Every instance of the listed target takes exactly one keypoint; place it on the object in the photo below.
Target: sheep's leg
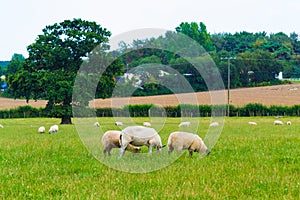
(121, 152)
(108, 152)
(171, 149)
(150, 149)
(158, 149)
(191, 152)
(122, 149)
(104, 153)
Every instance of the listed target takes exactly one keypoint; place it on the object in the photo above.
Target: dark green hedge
(145, 110)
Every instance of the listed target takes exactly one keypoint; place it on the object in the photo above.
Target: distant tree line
(255, 58)
(56, 55)
(149, 110)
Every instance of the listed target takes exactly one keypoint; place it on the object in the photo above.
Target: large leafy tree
(54, 59)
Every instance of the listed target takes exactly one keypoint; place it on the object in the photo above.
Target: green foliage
(54, 59)
(143, 110)
(22, 112)
(15, 64)
(259, 57)
(255, 109)
(198, 33)
(138, 110)
(150, 89)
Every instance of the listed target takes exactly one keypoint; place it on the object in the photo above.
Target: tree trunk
(66, 119)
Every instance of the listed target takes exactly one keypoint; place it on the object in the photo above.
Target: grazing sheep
(214, 124)
(184, 140)
(147, 124)
(1, 126)
(53, 129)
(184, 124)
(139, 136)
(278, 122)
(41, 129)
(288, 123)
(111, 139)
(118, 123)
(278, 117)
(252, 123)
(96, 124)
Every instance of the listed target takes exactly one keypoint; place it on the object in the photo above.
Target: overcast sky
(22, 21)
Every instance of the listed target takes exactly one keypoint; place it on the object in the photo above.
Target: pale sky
(22, 21)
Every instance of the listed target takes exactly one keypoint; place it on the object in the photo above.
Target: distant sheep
(288, 123)
(278, 122)
(278, 117)
(41, 129)
(184, 140)
(214, 124)
(1, 126)
(111, 139)
(119, 123)
(147, 124)
(184, 124)
(139, 136)
(53, 129)
(252, 123)
(96, 124)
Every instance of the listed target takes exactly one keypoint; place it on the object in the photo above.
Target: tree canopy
(54, 59)
(57, 54)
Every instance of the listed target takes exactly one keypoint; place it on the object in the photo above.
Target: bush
(146, 110)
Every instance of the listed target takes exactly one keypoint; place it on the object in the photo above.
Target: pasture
(247, 162)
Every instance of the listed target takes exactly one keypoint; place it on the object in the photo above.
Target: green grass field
(247, 162)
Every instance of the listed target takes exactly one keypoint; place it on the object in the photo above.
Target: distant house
(127, 77)
(279, 76)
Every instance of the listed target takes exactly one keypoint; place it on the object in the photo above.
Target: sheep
(288, 123)
(139, 136)
(252, 123)
(1, 126)
(278, 117)
(96, 124)
(41, 129)
(111, 139)
(214, 124)
(53, 129)
(278, 122)
(118, 123)
(185, 140)
(147, 124)
(184, 124)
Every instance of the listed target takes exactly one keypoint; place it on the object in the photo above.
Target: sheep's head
(203, 148)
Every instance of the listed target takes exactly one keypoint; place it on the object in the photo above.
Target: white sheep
(139, 136)
(96, 124)
(184, 140)
(41, 129)
(147, 124)
(53, 129)
(184, 124)
(1, 126)
(111, 139)
(288, 123)
(252, 123)
(278, 122)
(119, 123)
(214, 124)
